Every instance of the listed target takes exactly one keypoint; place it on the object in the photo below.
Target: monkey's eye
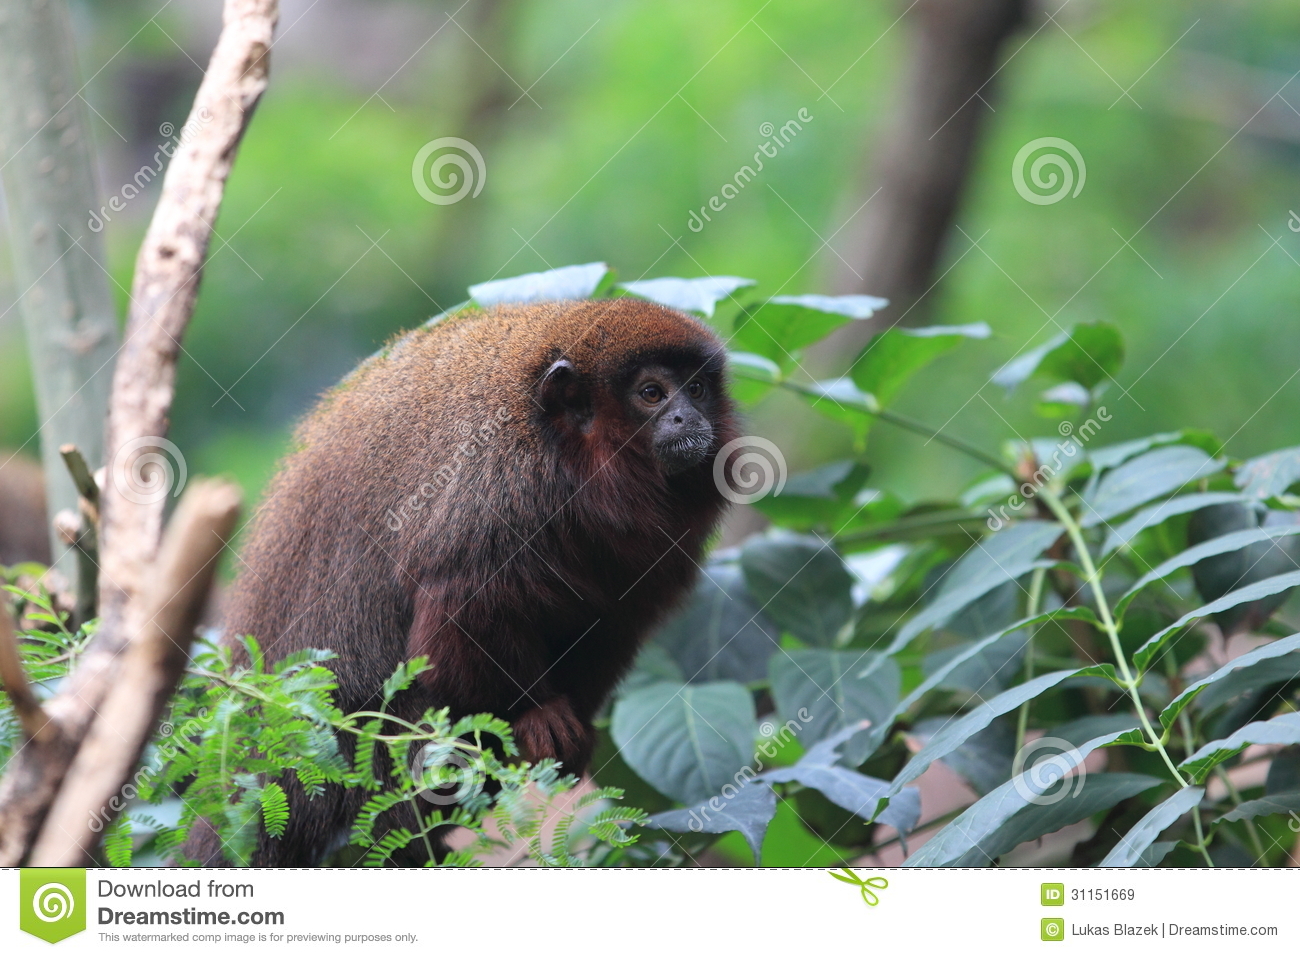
(695, 389)
(652, 394)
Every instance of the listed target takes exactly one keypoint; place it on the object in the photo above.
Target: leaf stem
(1031, 609)
(1093, 579)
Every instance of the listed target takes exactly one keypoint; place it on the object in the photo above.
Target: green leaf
(1089, 353)
(1154, 854)
(275, 809)
(783, 325)
(802, 584)
(841, 400)
(1148, 476)
(722, 634)
(1155, 514)
(1269, 586)
(1232, 542)
(567, 282)
(653, 663)
(750, 810)
(1284, 772)
(825, 685)
(1263, 807)
(895, 355)
(686, 740)
(856, 793)
(1000, 557)
(984, 759)
(1271, 650)
(1105, 457)
(1216, 576)
(818, 497)
(118, 842)
(1129, 850)
(952, 735)
(1284, 729)
(1071, 804)
(699, 295)
(990, 812)
(1267, 476)
(752, 376)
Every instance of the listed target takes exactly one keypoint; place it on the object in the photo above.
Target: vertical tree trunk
(895, 243)
(63, 292)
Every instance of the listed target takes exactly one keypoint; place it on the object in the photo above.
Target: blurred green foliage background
(603, 124)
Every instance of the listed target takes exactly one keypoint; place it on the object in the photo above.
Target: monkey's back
(433, 462)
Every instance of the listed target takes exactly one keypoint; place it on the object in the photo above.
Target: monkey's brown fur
(437, 506)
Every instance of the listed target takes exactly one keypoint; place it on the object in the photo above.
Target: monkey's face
(674, 405)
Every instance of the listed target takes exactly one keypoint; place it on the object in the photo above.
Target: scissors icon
(863, 884)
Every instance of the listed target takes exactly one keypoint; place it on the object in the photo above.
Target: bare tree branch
(167, 276)
(180, 579)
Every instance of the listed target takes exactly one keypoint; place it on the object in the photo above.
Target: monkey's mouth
(678, 455)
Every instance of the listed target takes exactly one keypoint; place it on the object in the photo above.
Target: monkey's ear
(561, 390)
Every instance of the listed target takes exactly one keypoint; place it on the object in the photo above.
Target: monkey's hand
(552, 730)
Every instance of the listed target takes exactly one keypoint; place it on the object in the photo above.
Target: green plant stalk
(1255, 842)
(1093, 578)
(1031, 609)
(911, 425)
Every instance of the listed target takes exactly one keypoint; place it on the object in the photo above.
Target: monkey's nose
(678, 419)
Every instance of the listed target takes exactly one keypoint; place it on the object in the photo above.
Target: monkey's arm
(477, 664)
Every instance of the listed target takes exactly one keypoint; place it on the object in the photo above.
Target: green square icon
(1053, 895)
(52, 902)
(1053, 928)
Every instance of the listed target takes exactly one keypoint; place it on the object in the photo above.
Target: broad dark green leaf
(1069, 804)
(567, 282)
(875, 735)
(749, 810)
(752, 376)
(653, 663)
(1263, 807)
(1108, 456)
(1088, 353)
(1269, 586)
(1154, 854)
(699, 295)
(956, 731)
(686, 740)
(1215, 546)
(986, 672)
(1220, 574)
(816, 498)
(1141, 479)
(1090, 726)
(856, 793)
(827, 687)
(984, 759)
(1131, 846)
(1284, 772)
(1269, 475)
(1155, 514)
(785, 324)
(802, 585)
(1273, 649)
(1284, 729)
(893, 356)
(1001, 557)
(990, 812)
(722, 634)
(1247, 683)
(841, 400)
